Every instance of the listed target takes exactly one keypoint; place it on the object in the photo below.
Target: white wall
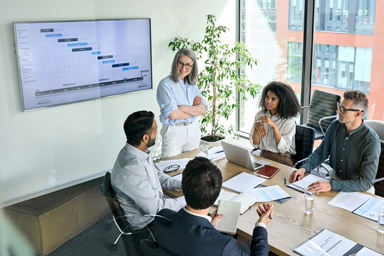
(51, 146)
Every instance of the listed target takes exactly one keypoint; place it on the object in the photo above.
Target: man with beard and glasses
(135, 180)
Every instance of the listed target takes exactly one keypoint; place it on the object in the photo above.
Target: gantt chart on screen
(62, 62)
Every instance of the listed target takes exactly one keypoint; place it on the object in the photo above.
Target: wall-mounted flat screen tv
(70, 61)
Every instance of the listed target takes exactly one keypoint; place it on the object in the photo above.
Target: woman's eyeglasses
(181, 65)
(343, 109)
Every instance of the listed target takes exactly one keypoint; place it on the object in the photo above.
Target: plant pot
(208, 139)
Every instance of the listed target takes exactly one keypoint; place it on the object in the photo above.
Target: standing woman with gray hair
(180, 103)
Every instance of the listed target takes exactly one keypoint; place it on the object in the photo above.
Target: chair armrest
(378, 180)
(325, 118)
(299, 162)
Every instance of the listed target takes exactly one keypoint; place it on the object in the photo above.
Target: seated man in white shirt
(190, 231)
(135, 180)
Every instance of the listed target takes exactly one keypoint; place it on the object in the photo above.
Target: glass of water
(380, 220)
(309, 200)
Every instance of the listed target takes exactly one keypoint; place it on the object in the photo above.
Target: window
(334, 66)
(347, 53)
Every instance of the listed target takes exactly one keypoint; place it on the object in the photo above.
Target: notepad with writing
(267, 171)
(246, 200)
(230, 211)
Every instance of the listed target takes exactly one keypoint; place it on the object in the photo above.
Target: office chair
(377, 126)
(322, 111)
(119, 218)
(379, 181)
(304, 140)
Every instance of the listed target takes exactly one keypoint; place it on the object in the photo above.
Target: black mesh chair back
(304, 140)
(379, 182)
(322, 111)
(118, 213)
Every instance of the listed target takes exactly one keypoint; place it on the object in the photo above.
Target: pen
(285, 181)
(270, 216)
(221, 151)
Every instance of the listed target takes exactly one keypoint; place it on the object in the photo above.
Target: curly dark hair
(289, 106)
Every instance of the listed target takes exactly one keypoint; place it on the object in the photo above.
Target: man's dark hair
(201, 183)
(136, 125)
(289, 106)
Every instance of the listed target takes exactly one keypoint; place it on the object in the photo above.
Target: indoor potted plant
(220, 80)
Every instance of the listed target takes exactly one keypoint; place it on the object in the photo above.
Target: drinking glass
(380, 220)
(309, 200)
(204, 149)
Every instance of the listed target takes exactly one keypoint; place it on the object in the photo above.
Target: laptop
(242, 156)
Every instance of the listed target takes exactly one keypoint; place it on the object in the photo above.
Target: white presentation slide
(62, 62)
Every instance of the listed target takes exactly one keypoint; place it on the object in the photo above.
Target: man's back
(187, 234)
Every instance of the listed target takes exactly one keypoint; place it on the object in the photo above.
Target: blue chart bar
(54, 35)
(129, 68)
(96, 53)
(77, 44)
(108, 61)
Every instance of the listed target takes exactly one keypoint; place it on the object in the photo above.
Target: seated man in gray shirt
(353, 149)
(135, 180)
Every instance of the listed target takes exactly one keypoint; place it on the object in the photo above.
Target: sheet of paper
(230, 211)
(370, 209)
(349, 200)
(325, 243)
(305, 182)
(367, 252)
(181, 162)
(242, 182)
(267, 194)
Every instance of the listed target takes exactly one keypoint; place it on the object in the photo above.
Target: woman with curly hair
(274, 129)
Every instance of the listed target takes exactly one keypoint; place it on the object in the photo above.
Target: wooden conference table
(290, 226)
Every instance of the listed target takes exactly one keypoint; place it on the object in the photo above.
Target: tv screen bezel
(83, 100)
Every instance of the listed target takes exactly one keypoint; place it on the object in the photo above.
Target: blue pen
(270, 216)
(285, 181)
(221, 151)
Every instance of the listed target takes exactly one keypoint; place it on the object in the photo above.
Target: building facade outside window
(348, 52)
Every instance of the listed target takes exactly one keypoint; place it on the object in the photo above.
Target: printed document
(325, 243)
(246, 200)
(349, 200)
(267, 194)
(370, 209)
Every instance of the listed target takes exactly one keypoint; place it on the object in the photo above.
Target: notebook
(242, 182)
(302, 184)
(230, 211)
(241, 156)
(267, 171)
(246, 200)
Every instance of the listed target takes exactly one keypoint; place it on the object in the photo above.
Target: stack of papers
(214, 153)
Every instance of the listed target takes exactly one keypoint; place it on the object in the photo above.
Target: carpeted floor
(97, 239)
